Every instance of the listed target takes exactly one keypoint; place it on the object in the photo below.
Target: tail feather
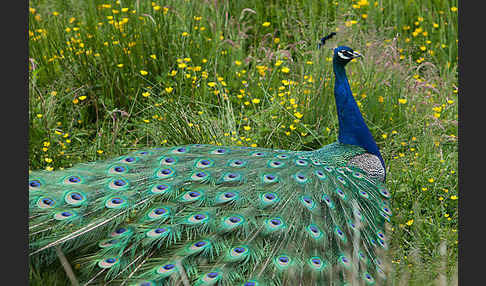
(201, 215)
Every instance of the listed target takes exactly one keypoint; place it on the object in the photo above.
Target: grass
(109, 77)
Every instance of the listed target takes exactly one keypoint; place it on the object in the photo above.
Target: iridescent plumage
(207, 215)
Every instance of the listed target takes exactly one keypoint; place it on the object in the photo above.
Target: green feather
(207, 215)
(238, 211)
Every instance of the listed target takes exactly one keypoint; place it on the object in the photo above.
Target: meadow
(108, 77)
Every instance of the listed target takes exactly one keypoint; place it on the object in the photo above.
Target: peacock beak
(356, 55)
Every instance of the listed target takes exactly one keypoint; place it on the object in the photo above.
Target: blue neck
(352, 128)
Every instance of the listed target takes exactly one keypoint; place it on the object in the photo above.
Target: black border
(14, 116)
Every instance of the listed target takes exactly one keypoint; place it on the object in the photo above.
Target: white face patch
(345, 55)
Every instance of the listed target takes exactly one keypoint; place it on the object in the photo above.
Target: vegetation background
(107, 77)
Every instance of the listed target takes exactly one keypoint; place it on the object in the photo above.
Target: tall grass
(107, 77)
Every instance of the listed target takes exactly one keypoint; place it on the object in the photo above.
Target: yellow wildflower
(266, 24)
(169, 89)
(142, 72)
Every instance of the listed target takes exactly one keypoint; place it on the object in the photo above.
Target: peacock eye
(269, 196)
(74, 179)
(35, 183)
(345, 55)
(119, 169)
(119, 183)
(169, 266)
(160, 230)
(275, 221)
(200, 243)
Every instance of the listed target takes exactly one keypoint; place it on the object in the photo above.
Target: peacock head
(343, 55)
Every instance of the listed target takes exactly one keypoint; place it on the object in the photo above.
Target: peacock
(221, 215)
